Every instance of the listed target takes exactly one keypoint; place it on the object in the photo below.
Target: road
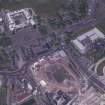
(83, 70)
(90, 20)
(84, 23)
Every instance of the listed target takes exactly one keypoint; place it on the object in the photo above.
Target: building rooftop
(20, 19)
(86, 39)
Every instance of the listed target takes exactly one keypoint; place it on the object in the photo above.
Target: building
(20, 18)
(85, 40)
(89, 97)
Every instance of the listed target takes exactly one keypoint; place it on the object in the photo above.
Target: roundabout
(100, 67)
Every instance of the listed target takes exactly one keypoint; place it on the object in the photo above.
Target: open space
(3, 96)
(41, 6)
(60, 75)
(30, 102)
(54, 72)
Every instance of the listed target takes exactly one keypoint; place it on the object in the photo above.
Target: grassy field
(3, 94)
(4, 42)
(4, 61)
(60, 75)
(40, 6)
(101, 26)
(101, 17)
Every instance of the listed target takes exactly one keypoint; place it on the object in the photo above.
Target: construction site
(54, 73)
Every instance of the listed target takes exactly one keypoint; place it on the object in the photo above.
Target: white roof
(43, 83)
(82, 37)
(1, 19)
(32, 22)
(9, 18)
(79, 45)
(29, 86)
(62, 53)
(94, 37)
(99, 33)
(29, 19)
(0, 82)
(92, 34)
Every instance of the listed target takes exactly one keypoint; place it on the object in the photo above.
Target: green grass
(101, 26)
(60, 75)
(30, 102)
(82, 30)
(48, 7)
(4, 61)
(3, 94)
(5, 41)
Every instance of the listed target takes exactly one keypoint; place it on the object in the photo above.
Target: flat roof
(25, 19)
(93, 34)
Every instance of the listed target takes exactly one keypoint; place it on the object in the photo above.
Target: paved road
(89, 20)
(74, 27)
(94, 81)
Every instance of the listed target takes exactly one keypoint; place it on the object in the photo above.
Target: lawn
(61, 75)
(30, 102)
(3, 94)
(4, 42)
(101, 26)
(4, 61)
(40, 6)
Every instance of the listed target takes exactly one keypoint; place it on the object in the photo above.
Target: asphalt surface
(24, 38)
(93, 79)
